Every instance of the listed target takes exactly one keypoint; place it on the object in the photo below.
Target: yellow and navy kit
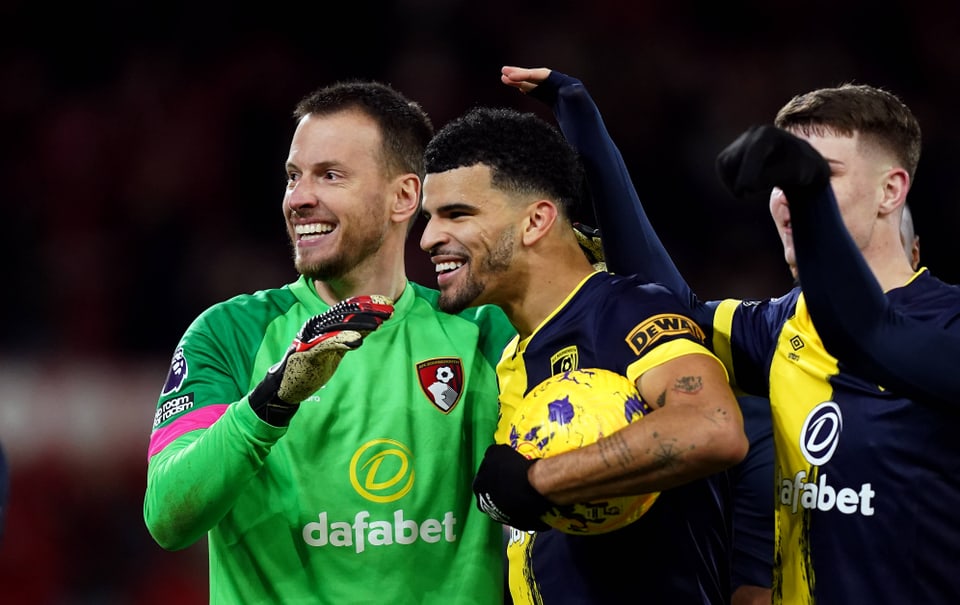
(678, 551)
(867, 473)
(856, 463)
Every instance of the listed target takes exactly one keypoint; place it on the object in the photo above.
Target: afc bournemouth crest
(442, 381)
(565, 360)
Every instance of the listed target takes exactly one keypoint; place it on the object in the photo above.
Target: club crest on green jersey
(441, 379)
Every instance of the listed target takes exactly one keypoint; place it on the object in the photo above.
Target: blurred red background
(142, 176)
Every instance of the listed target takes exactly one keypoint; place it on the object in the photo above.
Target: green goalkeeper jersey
(366, 497)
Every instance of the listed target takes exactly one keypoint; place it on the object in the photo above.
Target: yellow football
(571, 410)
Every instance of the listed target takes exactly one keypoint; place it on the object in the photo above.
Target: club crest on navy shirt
(565, 360)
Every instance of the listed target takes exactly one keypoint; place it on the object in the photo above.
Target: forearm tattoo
(615, 451)
(666, 454)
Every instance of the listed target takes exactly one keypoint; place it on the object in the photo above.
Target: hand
(523, 79)
(589, 240)
(765, 157)
(504, 493)
(314, 355)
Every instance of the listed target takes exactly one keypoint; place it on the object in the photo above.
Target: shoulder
(604, 283)
(618, 291)
(486, 327)
(281, 297)
(774, 310)
(926, 293)
(251, 309)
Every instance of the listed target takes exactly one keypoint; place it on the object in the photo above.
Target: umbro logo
(796, 343)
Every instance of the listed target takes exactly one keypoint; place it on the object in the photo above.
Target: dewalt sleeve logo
(665, 325)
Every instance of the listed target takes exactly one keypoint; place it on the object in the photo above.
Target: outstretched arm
(853, 316)
(856, 320)
(630, 244)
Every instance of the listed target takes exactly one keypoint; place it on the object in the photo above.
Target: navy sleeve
(753, 499)
(630, 244)
(855, 319)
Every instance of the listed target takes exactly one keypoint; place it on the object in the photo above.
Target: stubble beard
(498, 261)
(346, 259)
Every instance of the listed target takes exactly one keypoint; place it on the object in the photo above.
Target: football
(571, 410)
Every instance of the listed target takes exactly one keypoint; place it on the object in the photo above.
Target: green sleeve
(194, 481)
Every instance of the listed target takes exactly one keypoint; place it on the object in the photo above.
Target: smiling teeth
(450, 266)
(313, 228)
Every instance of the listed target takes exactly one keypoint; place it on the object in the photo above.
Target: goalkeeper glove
(314, 355)
(589, 240)
(504, 493)
(765, 157)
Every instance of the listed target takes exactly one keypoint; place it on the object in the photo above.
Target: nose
(300, 195)
(430, 238)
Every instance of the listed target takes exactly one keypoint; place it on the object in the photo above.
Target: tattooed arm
(696, 430)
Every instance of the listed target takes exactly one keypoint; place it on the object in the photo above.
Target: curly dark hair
(525, 154)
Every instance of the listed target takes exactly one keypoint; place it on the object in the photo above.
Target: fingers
(380, 299)
(522, 78)
(307, 372)
(344, 340)
(765, 157)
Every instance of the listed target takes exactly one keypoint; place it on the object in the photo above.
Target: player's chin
(459, 290)
(450, 302)
(457, 299)
(320, 269)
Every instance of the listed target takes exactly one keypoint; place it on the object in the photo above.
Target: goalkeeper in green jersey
(323, 435)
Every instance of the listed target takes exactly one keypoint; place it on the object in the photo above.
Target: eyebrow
(314, 167)
(453, 207)
(457, 206)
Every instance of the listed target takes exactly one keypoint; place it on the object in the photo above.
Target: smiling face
(336, 204)
(858, 177)
(471, 236)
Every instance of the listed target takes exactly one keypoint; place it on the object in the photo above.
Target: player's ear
(406, 201)
(540, 217)
(895, 186)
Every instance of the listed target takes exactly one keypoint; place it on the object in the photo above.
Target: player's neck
(380, 274)
(890, 266)
(543, 295)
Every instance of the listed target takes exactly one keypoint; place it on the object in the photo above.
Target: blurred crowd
(143, 175)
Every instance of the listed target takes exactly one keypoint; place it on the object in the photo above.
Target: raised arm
(853, 316)
(630, 244)
(856, 320)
